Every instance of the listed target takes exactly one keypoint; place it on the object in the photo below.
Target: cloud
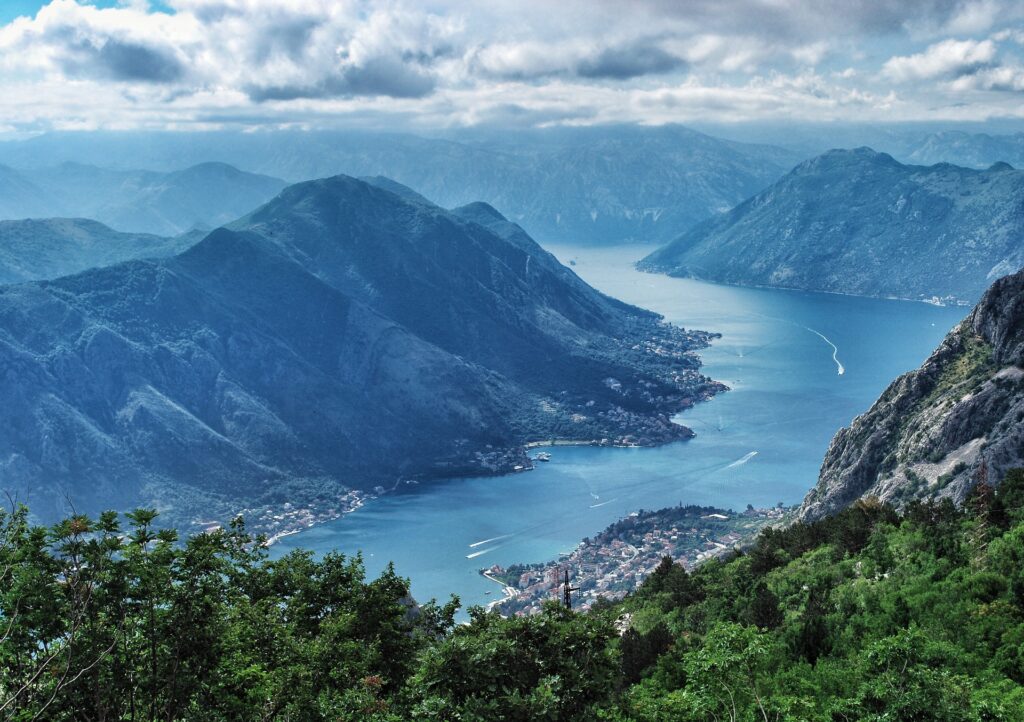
(375, 76)
(809, 20)
(627, 62)
(1002, 79)
(581, 58)
(949, 58)
(179, 63)
(121, 60)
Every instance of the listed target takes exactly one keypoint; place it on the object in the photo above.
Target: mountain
(973, 150)
(202, 196)
(48, 248)
(935, 429)
(587, 185)
(340, 336)
(20, 198)
(858, 222)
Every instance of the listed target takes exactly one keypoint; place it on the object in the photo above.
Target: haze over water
(799, 365)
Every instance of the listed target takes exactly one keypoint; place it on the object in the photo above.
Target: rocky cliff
(933, 429)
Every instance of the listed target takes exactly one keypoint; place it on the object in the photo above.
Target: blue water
(760, 443)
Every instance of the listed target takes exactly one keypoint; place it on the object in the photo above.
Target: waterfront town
(617, 560)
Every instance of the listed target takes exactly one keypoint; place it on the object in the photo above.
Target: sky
(443, 64)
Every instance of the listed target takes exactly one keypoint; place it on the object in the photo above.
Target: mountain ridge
(595, 186)
(859, 222)
(171, 203)
(46, 248)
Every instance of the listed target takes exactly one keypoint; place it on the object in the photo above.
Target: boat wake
(487, 541)
(744, 460)
(840, 369)
(474, 555)
(835, 350)
(594, 506)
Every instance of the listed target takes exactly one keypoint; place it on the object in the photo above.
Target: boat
(542, 456)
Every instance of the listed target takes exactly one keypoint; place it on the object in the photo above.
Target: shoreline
(313, 518)
(550, 443)
(507, 591)
(953, 303)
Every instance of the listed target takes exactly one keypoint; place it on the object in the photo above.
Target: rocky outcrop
(859, 222)
(933, 429)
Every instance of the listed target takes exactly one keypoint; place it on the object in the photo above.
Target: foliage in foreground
(867, 615)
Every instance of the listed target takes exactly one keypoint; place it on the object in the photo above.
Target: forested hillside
(865, 615)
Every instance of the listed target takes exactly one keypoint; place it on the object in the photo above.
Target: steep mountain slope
(203, 196)
(340, 336)
(38, 249)
(935, 428)
(859, 222)
(588, 185)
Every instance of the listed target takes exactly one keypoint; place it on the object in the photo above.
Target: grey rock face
(341, 336)
(859, 222)
(933, 429)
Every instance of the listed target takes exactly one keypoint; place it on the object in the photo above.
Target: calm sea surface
(760, 443)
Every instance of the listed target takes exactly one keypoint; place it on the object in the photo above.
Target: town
(616, 561)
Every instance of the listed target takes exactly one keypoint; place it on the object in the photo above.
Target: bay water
(799, 366)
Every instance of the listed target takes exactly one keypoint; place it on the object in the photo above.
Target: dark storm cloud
(629, 62)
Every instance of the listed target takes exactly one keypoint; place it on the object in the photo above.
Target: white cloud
(451, 62)
(1008, 78)
(949, 58)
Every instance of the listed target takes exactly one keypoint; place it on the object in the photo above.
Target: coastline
(301, 518)
(952, 302)
(507, 591)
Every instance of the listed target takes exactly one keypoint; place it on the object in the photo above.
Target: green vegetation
(868, 615)
(964, 372)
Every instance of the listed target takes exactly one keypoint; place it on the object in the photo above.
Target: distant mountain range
(32, 250)
(20, 198)
(973, 150)
(935, 431)
(857, 221)
(135, 201)
(586, 185)
(342, 335)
